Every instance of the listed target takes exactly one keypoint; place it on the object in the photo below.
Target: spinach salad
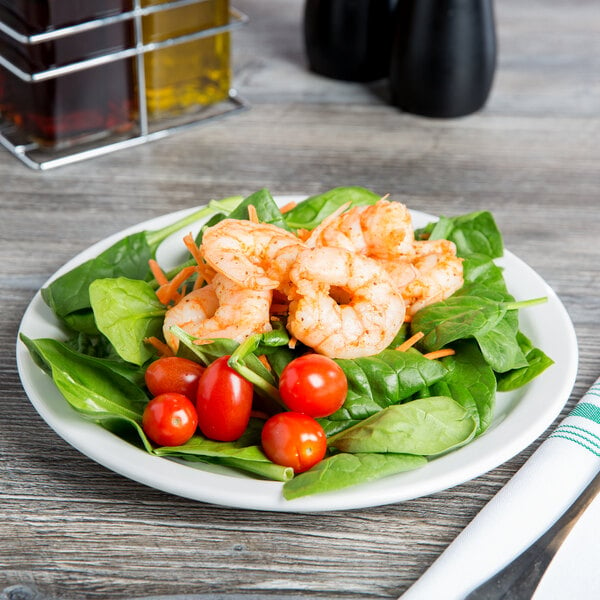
(402, 408)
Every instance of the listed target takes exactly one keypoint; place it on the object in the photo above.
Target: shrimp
(431, 274)
(221, 309)
(423, 271)
(194, 308)
(253, 255)
(344, 305)
(382, 230)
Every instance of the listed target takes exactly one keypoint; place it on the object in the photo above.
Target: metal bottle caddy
(142, 129)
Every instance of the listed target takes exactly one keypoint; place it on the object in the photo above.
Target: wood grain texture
(70, 529)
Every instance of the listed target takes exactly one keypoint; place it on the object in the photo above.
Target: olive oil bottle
(184, 77)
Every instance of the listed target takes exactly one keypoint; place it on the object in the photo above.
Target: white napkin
(524, 509)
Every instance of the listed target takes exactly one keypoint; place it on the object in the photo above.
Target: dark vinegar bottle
(349, 39)
(443, 56)
(62, 110)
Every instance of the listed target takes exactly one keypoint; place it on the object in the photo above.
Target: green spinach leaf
(537, 363)
(473, 233)
(311, 211)
(375, 382)
(91, 387)
(500, 346)
(343, 470)
(426, 426)
(267, 209)
(81, 321)
(127, 312)
(480, 271)
(458, 317)
(243, 454)
(488, 315)
(470, 381)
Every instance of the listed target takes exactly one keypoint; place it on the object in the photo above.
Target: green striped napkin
(582, 426)
(524, 509)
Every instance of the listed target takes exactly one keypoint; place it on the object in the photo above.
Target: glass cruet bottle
(181, 79)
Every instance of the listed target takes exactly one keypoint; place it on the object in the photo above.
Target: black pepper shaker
(349, 39)
(443, 56)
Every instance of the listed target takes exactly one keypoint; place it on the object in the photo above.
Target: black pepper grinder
(349, 39)
(443, 56)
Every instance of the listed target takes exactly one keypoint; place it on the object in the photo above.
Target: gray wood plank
(71, 529)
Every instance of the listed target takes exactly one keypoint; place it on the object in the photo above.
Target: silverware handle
(521, 577)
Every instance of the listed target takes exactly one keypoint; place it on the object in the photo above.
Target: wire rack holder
(39, 158)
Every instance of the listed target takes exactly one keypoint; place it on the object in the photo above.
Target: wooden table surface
(72, 529)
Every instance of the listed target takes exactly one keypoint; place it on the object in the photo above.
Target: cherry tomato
(294, 440)
(174, 374)
(170, 419)
(313, 384)
(224, 402)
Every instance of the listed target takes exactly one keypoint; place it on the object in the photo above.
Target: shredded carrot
(158, 273)
(287, 207)
(169, 292)
(252, 214)
(279, 309)
(407, 318)
(410, 342)
(292, 343)
(303, 234)
(439, 353)
(162, 348)
(191, 245)
(263, 359)
(206, 271)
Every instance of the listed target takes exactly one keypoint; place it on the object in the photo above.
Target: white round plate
(519, 418)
